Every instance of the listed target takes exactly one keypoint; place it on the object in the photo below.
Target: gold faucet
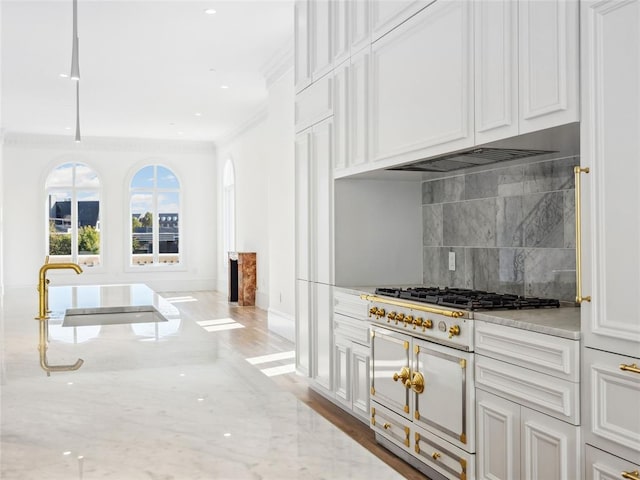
(43, 317)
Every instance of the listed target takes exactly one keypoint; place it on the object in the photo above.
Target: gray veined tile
(549, 176)
(509, 221)
(431, 266)
(511, 181)
(569, 219)
(453, 278)
(470, 223)
(551, 273)
(543, 220)
(482, 268)
(432, 225)
(443, 190)
(481, 185)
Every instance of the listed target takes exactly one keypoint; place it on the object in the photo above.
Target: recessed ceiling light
(180, 133)
(210, 11)
(67, 128)
(63, 75)
(198, 114)
(224, 86)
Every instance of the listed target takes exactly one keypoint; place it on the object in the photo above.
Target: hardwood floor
(255, 340)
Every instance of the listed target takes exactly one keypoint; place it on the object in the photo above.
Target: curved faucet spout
(43, 297)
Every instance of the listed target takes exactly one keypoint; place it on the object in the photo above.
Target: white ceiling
(147, 67)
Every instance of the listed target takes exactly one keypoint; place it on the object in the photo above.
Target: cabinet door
(359, 108)
(341, 115)
(388, 14)
(342, 375)
(302, 192)
(422, 85)
(360, 24)
(498, 435)
(322, 202)
(550, 449)
(548, 60)
(360, 380)
(303, 328)
(301, 32)
(611, 197)
(496, 70)
(322, 308)
(612, 393)
(602, 466)
(341, 31)
(321, 38)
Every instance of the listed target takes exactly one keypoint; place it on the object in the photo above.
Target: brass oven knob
(428, 323)
(391, 316)
(404, 375)
(416, 383)
(399, 317)
(417, 322)
(454, 330)
(373, 311)
(380, 313)
(408, 319)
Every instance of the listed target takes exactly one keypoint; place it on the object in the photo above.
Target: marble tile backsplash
(512, 229)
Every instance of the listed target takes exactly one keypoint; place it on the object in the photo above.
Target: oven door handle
(416, 383)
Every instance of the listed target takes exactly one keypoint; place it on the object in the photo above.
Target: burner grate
(468, 299)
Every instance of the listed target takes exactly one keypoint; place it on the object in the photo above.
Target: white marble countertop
(87, 300)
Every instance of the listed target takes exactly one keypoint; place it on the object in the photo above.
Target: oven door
(390, 369)
(443, 393)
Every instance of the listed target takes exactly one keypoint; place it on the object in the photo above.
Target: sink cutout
(112, 318)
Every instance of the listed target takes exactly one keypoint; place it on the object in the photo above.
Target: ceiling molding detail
(257, 118)
(107, 144)
(279, 63)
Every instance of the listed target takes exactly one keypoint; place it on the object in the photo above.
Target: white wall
(27, 162)
(263, 157)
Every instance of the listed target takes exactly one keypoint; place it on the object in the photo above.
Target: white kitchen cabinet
(351, 380)
(341, 31)
(341, 115)
(612, 392)
(302, 205)
(496, 70)
(321, 202)
(314, 103)
(548, 63)
(388, 14)
(517, 442)
(422, 85)
(322, 335)
(611, 198)
(358, 118)
(321, 37)
(359, 24)
(302, 73)
(303, 328)
(603, 466)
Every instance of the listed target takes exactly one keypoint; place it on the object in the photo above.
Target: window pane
(142, 228)
(169, 224)
(62, 176)
(88, 228)
(85, 177)
(59, 223)
(166, 179)
(144, 178)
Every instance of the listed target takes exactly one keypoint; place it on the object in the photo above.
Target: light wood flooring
(255, 340)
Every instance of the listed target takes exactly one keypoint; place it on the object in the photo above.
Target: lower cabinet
(604, 466)
(516, 442)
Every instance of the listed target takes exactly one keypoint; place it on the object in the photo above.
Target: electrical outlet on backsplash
(512, 229)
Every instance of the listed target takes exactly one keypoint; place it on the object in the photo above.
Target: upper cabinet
(548, 63)
(422, 85)
(302, 73)
(341, 31)
(359, 24)
(388, 14)
(321, 37)
(611, 151)
(526, 66)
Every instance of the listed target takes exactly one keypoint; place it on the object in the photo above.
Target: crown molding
(279, 63)
(106, 144)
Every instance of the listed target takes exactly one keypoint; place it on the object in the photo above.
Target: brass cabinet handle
(386, 426)
(435, 455)
(630, 368)
(635, 475)
(404, 375)
(579, 298)
(416, 383)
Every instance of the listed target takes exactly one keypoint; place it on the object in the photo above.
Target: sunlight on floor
(219, 324)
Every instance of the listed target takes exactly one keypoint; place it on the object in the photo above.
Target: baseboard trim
(281, 323)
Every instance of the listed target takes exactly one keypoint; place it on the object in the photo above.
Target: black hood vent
(471, 158)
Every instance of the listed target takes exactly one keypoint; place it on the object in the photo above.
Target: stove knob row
(378, 312)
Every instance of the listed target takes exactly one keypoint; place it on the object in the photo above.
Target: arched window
(228, 209)
(73, 215)
(154, 199)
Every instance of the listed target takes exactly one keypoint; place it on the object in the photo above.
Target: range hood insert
(470, 158)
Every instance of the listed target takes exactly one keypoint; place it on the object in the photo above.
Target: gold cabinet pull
(404, 374)
(386, 426)
(579, 298)
(635, 475)
(630, 368)
(416, 383)
(435, 455)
